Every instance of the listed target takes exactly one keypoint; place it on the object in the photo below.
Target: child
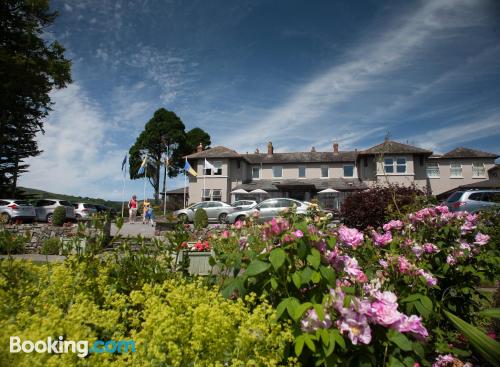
(151, 216)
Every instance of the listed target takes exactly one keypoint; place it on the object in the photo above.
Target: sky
(297, 73)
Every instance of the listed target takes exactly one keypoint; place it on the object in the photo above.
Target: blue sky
(298, 73)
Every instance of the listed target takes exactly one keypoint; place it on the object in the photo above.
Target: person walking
(132, 209)
(145, 207)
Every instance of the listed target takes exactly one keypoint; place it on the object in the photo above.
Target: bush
(200, 219)
(173, 323)
(51, 246)
(11, 243)
(59, 216)
(374, 206)
(378, 297)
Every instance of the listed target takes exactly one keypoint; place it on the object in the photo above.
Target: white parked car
(84, 210)
(244, 204)
(44, 209)
(268, 209)
(12, 210)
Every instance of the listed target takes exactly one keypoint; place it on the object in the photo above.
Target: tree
(30, 68)
(164, 131)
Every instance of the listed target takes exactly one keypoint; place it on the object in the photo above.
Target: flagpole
(204, 175)
(185, 184)
(123, 190)
(145, 174)
(165, 188)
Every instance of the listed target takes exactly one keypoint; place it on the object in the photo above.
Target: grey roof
(215, 152)
(393, 147)
(178, 191)
(462, 152)
(486, 184)
(341, 184)
(301, 157)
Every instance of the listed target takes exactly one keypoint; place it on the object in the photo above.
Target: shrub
(59, 216)
(174, 323)
(200, 219)
(374, 206)
(378, 297)
(11, 243)
(51, 246)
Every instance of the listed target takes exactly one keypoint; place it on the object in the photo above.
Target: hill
(33, 194)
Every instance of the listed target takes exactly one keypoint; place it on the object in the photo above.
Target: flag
(124, 161)
(143, 164)
(209, 165)
(189, 169)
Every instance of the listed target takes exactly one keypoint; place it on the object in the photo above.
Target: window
(477, 196)
(478, 169)
(432, 169)
(388, 165)
(302, 171)
(455, 170)
(218, 168)
(493, 197)
(4, 203)
(217, 194)
(65, 203)
(348, 170)
(454, 197)
(284, 203)
(324, 171)
(277, 171)
(207, 171)
(256, 172)
(214, 204)
(268, 204)
(401, 165)
(205, 195)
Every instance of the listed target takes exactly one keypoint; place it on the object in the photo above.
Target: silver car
(12, 210)
(84, 210)
(44, 209)
(244, 204)
(217, 211)
(473, 200)
(268, 209)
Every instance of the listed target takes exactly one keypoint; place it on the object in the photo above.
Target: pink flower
(298, 233)
(404, 265)
(417, 250)
(383, 263)
(238, 224)
(356, 326)
(413, 325)
(393, 224)
(385, 309)
(467, 227)
(225, 234)
(430, 248)
(430, 279)
(352, 268)
(350, 236)
(442, 209)
(481, 239)
(311, 322)
(444, 361)
(451, 260)
(381, 239)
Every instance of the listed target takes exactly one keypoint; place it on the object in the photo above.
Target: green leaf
(296, 310)
(299, 344)
(281, 307)
(488, 348)
(400, 340)
(257, 267)
(426, 302)
(277, 258)
(394, 362)
(325, 338)
(328, 273)
(211, 261)
(314, 259)
(319, 310)
(492, 312)
(306, 275)
(422, 310)
(274, 283)
(419, 349)
(315, 277)
(411, 298)
(310, 343)
(339, 339)
(297, 280)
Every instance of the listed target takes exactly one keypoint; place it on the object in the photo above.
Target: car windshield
(454, 197)
(22, 202)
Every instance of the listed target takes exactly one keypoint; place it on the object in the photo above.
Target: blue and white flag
(143, 165)
(124, 161)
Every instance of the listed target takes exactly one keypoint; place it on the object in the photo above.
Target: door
(213, 209)
(474, 202)
(267, 209)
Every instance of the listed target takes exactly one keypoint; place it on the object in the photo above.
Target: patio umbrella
(328, 191)
(239, 191)
(259, 192)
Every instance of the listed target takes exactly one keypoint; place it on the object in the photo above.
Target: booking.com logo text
(80, 348)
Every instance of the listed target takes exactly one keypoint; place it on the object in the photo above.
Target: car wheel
(182, 218)
(49, 218)
(4, 218)
(223, 218)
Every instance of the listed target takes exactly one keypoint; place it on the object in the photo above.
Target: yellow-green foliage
(177, 323)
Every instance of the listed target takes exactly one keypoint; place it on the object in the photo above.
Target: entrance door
(297, 195)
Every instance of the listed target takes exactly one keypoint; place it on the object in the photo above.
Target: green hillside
(33, 194)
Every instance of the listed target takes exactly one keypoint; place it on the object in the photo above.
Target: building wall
(444, 182)
(313, 170)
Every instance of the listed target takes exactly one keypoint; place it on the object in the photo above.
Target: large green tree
(164, 132)
(30, 68)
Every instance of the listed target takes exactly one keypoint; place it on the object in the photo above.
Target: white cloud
(78, 158)
(367, 67)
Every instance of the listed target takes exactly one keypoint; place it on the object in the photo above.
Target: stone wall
(37, 233)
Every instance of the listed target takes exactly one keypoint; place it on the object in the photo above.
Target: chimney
(335, 148)
(199, 148)
(270, 148)
(257, 151)
(313, 150)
